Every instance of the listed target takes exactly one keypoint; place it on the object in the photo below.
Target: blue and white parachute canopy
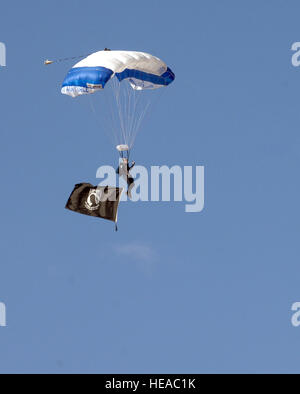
(143, 71)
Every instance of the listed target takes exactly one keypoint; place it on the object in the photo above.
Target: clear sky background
(171, 291)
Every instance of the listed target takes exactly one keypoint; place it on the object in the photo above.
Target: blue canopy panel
(84, 80)
(165, 79)
(81, 80)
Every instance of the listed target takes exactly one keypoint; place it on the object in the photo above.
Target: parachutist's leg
(130, 183)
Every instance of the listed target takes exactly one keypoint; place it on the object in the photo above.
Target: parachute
(129, 78)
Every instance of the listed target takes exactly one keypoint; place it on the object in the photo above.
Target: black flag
(96, 201)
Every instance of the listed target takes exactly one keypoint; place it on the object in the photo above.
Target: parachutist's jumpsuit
(124, 171)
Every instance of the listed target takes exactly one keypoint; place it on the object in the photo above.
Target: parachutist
(124, 171)
(140, 72)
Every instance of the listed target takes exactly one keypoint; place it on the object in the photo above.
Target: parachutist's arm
(132, 165)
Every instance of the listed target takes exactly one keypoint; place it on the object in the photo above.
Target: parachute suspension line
(138, 119)
(150, 104)
(102, 124)
(125, 112)
(140, 110)
(128, 108)
(131, 110)
(110, 93)
(122, 109)
(116, 90)
(135, 114)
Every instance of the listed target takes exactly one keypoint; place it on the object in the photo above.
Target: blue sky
(171, 291)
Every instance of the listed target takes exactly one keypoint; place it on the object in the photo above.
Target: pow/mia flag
(96, 201)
